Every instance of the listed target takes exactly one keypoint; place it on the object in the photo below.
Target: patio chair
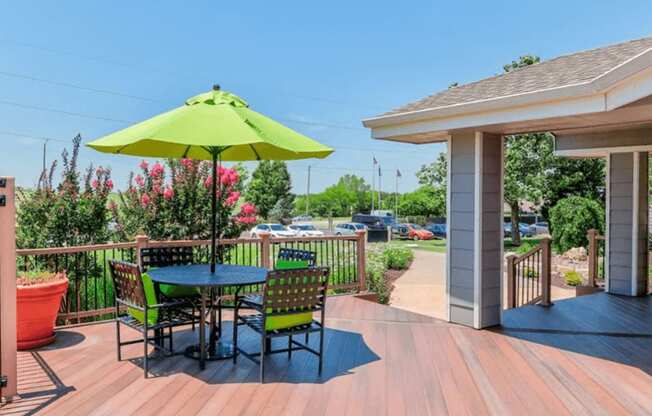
(287, 259)
(290, 298)
(152, 257)
(134, 291)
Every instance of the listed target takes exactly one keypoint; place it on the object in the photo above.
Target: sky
(92, 68)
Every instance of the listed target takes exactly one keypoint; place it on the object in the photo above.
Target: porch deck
(586, 355)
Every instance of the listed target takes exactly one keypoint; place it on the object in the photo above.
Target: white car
(276, 230)
(349, 228)
(306, 230)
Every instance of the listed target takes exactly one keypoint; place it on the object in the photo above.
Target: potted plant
(38, 298)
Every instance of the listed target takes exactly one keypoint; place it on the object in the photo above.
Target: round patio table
(211, 285)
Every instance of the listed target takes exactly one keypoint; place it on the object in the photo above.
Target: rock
(576, 254)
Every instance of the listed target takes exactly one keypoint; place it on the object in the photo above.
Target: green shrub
(570, 220)
(530, 273)
(380, 258)
(573, 278)
(397, 258)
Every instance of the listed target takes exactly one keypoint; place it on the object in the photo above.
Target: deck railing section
(597, 258)
(529, 276)
(90, 295)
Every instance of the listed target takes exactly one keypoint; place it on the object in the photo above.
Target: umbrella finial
(216, 87)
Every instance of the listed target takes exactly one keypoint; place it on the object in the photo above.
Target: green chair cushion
(174, 291)
(150, 297)
(288, 321)
(282, 264)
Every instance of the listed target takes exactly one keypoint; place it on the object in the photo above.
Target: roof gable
(567, 70)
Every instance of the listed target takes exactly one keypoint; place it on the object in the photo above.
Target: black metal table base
(223, 351)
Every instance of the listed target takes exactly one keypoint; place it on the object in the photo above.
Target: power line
(58, 111)
(29, 136)
(79, 87)
(159, 69)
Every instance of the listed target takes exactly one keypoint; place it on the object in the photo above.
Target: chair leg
(171, 345)
(235, 332)
(289, 347)
(262, 358)
(145, 360)
(307, 338)
(193, 318)
(268, 345)
(117, 332)
(321, 350)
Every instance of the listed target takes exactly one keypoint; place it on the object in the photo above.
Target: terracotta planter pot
(36, 312)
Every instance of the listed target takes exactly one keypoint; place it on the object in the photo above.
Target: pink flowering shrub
(173, 201)
(73, 212)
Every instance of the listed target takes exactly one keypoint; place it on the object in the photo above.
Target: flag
(375, 161)
(398, 173)
(379, 173)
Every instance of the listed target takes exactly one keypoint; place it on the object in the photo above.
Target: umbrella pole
(214, 214)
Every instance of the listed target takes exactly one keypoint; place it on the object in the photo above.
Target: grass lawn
(439, 246)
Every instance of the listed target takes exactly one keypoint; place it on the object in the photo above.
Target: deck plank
(586, 356)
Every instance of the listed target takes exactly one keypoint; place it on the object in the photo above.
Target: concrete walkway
(422, 288)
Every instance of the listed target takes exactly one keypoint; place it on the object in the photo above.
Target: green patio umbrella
(216, 125)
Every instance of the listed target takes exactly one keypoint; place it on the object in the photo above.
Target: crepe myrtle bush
(70, 212)
(174, 202)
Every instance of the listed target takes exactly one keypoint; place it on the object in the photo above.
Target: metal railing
(529, 277)
(90, 295)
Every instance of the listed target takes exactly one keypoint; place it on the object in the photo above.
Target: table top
(200, 275)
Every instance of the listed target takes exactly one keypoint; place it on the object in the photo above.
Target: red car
(414, 232)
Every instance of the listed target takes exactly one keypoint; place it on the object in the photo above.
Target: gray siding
(621, 216)
(634, 137)
(462, 177)
(491, 229)
(463, 232)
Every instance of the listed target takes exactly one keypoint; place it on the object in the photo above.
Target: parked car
(302, 218)
(373, 222)
(414, 232)
(305, 230)
(348, 228)
(540, 228)
(438, 230)
(276, 230)
(524, 229)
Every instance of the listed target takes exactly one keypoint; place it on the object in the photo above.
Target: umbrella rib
(185, 153)
(255, 152)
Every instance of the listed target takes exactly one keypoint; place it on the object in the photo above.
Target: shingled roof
(574, 69)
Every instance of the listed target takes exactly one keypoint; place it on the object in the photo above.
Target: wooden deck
(589, 355)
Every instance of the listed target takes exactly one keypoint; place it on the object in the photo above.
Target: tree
(570, 220)
(525, 158)
(425, 201)
(269, 183)
(435, 173)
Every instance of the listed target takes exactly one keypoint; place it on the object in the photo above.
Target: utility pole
(45, 149)
(308, 193)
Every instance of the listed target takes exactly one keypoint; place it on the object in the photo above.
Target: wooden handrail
(541, 257)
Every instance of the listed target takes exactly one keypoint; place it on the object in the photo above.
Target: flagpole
(380, 189)
(373, 184)
(396, 197)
